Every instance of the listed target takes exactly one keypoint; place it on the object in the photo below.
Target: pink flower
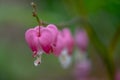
(69, 41)
(83, 65)
(81, 39)
(82, 70)
(59, 46)
(64, 41)
(64, 47)
(41, 39)
(49, 39)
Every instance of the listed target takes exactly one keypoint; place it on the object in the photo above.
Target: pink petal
(64, 41)
(81, 39)
(68, 40)
(37, 29)
(46, 40)
(54, 31)
(32, 39)
(57, 49)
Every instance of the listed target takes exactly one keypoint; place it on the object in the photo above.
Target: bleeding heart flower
(81, 39)
(59, 46)
(41, 39)
(49, 39)
(82, 70)
(69, 41)
(64, 47)
(83, 64)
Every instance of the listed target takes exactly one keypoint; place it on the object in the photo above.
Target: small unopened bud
(33, 4)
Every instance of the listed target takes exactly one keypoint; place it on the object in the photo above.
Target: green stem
(36, 16)
(114, 41)
(103, 52)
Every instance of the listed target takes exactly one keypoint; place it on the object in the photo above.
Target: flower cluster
(50, 40)
(64, 47)
(83, 64)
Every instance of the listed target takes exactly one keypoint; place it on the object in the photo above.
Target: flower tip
(65, 59)
(36, 63)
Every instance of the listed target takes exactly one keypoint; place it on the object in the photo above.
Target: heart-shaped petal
(32, 39)
(81, 39)
(54, 31)
(69, 41)
(46, 40)
(57, 49)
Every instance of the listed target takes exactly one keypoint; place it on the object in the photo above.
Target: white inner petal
(65, 59)
(80, 56)
(38, 58)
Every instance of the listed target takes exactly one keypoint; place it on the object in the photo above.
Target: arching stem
(36, 16)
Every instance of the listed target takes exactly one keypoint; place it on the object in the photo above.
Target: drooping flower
(69, 41)
(82, 70)
(64, 47)
(81, 39)
(82, 63)
(41, 40)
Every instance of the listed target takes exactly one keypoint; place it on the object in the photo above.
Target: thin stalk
(36, 16)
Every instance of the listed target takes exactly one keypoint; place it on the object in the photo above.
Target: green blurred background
(16, 62)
